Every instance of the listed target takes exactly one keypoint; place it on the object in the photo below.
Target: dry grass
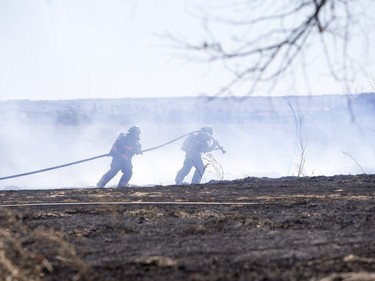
(28, 254)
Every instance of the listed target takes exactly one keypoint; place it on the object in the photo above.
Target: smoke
(261, 136)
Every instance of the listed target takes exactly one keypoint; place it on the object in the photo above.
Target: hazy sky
(73, 49)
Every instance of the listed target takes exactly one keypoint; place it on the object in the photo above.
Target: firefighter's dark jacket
(126, 146)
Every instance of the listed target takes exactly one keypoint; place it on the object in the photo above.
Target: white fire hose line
(132, 203)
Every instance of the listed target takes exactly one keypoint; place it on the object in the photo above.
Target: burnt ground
(314, 228)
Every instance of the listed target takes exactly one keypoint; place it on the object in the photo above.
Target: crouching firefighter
(194, 145)
(124, 148)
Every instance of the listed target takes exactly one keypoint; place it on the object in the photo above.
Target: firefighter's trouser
(192, 159)
(118, 163)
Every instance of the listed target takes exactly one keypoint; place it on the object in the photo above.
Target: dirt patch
(316, 228)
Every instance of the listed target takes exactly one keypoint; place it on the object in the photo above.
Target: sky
(92, 49)
(80, 49)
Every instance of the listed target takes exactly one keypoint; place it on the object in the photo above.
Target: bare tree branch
(260, 43)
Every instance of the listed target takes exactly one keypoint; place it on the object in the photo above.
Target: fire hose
(99, 156)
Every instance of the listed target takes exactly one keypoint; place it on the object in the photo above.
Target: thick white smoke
(262, 137)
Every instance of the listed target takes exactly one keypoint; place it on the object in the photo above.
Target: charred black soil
(314, 228)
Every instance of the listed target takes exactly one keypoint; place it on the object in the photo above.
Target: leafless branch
(363, 171)
(301, 143)
(260, 46)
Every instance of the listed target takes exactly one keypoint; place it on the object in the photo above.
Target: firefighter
(194, 145)
(125, 147)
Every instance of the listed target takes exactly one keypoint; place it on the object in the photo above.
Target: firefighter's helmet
(207, 130)
(135, 130)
